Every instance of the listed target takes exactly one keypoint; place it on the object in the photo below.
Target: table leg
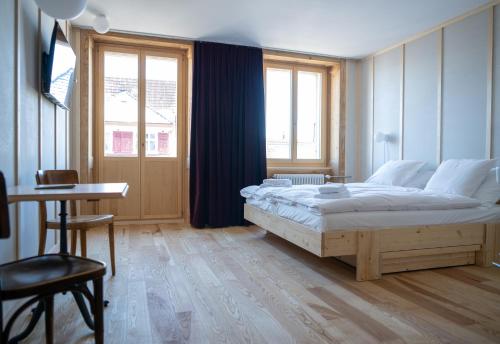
(63, 247)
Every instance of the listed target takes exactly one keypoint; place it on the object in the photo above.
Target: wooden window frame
(295, 68)
(333, 156)
(333, 141)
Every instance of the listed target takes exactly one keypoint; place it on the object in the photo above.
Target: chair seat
(82, 221)
(34, 275)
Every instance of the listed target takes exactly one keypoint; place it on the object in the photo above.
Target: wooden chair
(75, 223)
(40, 278)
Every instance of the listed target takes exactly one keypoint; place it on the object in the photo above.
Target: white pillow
(489, 190)
(396, 172)
(460, 176)
(420, 180)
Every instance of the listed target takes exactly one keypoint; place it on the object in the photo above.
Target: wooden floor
(239, 285)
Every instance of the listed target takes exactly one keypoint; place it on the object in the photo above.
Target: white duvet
(364, 197)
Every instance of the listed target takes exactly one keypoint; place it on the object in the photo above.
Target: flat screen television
(58, 69)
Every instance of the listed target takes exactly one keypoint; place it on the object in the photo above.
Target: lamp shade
(100, 24)
(62, 9)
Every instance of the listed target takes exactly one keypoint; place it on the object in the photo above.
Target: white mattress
(378, 219)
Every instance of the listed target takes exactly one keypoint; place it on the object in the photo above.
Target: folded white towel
(277, 182)
(331, 188)
(333, 195)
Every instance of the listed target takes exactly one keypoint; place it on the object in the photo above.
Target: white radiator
(299, 179)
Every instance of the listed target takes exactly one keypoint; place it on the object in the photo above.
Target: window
(295, 114)
(151, 142)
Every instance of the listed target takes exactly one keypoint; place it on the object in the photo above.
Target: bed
(429, 233)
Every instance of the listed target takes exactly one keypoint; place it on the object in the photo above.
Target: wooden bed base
(384, 250)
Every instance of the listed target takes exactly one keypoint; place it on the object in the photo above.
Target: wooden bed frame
(384, 250)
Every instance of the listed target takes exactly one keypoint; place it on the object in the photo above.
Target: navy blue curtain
(228, 144)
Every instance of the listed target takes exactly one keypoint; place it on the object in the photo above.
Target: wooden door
(140, 117)
(118, 122)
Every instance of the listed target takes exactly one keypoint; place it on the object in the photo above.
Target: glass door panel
(161, 166)
(121, 104)
(161, 107)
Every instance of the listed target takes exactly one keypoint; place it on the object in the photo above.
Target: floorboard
(241, 285)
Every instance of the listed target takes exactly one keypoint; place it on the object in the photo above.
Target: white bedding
(485, 213)
(365, 197)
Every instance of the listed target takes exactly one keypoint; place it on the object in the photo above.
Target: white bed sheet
(486, 213)
(364, 197)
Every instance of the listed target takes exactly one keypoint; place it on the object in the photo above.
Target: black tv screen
(58, 70)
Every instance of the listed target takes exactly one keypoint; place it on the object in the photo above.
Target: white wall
(365, 119)
(465, 57)
(350, 124)
(496, 85)
(449, 67)
(28, 119)
(386, 105)
(42, 136)
(7, 116)
(421, 99)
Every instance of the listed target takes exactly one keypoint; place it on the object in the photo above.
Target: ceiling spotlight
(101, 24)
(62, 9)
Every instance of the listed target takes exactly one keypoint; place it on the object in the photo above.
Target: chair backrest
(4, 209)
(56, 177)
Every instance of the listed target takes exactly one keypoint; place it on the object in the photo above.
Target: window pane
(278, 113)
(120, 104)
(309, 115)
(161, 106)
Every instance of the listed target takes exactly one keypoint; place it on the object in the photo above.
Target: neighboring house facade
(121, 117)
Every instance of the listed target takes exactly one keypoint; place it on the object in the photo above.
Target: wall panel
(60, 129)
(421, 99)
(27, 119)
(48, 108)
(364, 142)
(496, 84)
(350, 130)
(386, 104)
(28, 122)
(48, 143)
(445, 92)
(7, 113)
(465, 55)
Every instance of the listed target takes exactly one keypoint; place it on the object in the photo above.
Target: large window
(295, 113)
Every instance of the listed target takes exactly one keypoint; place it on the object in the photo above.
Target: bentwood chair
(75, 223)
(40, 278)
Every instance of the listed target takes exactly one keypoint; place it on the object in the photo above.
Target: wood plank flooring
(240, 285)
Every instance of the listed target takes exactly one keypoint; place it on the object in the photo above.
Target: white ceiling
(348, 28)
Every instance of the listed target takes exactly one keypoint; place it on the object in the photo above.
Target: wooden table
(28, 193)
